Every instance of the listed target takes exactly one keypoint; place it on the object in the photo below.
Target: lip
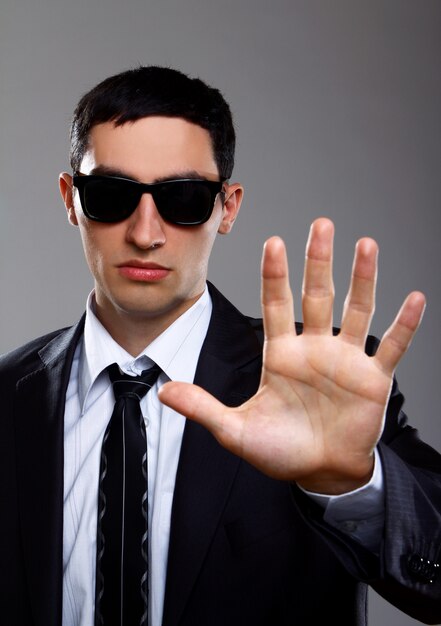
(143, 271)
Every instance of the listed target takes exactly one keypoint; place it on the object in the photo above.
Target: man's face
(144, 267)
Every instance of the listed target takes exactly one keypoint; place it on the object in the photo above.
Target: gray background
(337, 106)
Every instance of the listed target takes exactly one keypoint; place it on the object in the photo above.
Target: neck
(135, 331)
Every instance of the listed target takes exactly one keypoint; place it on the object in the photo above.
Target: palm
(318, 413)
(320, 401)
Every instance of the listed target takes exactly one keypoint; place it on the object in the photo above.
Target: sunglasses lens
(185, 202)
(182, 202)
(108, 200)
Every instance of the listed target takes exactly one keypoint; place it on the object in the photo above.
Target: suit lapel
(39, 414)
(229, 368)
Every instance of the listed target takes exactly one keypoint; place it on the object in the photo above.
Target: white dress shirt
(89, 405)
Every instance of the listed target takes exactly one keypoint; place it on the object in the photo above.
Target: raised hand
(319, 410)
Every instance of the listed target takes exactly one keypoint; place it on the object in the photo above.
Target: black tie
(122, 534)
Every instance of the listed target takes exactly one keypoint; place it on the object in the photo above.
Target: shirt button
(350, 526)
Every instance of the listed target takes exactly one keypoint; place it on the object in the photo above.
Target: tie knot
(126, 386)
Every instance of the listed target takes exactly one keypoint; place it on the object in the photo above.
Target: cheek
(201, 256)
(95, 242)
(198, 248)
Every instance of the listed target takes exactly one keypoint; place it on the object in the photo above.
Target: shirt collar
(176, 350)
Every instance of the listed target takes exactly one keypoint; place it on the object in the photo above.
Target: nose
(145, 227)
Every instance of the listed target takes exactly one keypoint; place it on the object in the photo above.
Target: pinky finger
(399, 335)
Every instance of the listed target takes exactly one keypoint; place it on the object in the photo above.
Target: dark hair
(146, 91)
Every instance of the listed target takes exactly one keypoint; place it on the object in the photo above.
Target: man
(295, 482)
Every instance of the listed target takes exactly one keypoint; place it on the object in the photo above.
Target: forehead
(150, 148)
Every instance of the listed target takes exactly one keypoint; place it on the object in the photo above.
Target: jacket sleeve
(407, 571)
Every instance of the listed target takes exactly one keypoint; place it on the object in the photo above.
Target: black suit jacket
(245, 550)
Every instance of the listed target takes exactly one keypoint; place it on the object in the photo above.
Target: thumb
(195, 403)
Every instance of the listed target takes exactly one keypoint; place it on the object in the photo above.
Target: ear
(65, 185)
(233, 200)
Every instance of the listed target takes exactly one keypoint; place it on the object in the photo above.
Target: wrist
(333, 483)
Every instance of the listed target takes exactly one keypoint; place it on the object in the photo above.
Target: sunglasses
(185, 202)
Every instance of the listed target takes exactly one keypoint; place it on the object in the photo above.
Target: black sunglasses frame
(137, 189)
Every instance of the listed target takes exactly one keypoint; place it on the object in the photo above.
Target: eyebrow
(104, 170)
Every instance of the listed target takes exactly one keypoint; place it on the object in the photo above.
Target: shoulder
(32, 355)
(28, 350)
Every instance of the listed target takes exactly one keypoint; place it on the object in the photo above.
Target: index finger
(277, 302)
